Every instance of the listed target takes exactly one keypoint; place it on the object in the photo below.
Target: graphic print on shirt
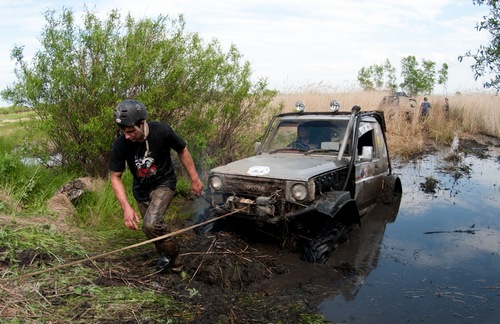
(146, 167)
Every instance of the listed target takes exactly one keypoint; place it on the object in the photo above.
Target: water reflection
(449, 275)
(362, 250)
(344, 274)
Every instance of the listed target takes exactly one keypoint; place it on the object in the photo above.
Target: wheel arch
(348, 213)
(391, 189)
(339, 206)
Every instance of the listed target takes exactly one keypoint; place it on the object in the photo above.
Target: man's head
(131, 115)
(303, 132)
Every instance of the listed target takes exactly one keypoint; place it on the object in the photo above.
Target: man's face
(303, 133)
(132, 134)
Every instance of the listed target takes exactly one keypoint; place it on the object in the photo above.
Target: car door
(371, 162)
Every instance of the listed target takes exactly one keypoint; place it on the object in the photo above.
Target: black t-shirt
(149, 171)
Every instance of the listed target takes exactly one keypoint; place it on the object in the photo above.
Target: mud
(432, 256)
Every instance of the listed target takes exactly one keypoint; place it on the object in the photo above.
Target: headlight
(216, 183)
(299, 106)
(299, 192)
(334, 105)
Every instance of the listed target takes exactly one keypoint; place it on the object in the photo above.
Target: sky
(293, 44)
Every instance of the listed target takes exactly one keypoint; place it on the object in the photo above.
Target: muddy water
(435, 259)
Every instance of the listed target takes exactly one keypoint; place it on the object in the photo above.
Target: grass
(34, 232)
(62, 296)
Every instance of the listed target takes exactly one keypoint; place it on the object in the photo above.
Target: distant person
(144, 146)
(446, 108)
(425, 107)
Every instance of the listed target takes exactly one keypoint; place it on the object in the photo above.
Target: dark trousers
(153, 214)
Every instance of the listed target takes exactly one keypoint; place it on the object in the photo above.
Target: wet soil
(231, 278)
(417, 260)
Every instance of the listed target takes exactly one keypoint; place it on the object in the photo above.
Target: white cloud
(291, 41)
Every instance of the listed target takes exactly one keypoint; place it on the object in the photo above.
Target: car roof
(310, 116)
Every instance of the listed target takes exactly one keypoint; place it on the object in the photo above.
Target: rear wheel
(320, 247)
(392, 190)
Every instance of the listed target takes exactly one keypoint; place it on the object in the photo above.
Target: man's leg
(153, 213)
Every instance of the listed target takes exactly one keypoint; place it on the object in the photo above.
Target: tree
(81, 73)
(487, 57)
(417, 80)
(365, 78)
(443, 74)
(378, 77)
(391, 76)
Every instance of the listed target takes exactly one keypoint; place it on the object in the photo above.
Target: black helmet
(130, 112)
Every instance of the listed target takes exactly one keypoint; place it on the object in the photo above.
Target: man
(145, 147)
(302, 142)
(446, 108)
(425, 107)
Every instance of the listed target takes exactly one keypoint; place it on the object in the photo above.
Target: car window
(324, 135)
(365, 138)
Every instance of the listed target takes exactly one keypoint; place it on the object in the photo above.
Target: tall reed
(408, 134)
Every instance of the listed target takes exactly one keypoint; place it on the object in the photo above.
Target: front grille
(252, 187)
(244, 191)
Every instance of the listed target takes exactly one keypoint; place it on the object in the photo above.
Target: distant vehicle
(399, 102)
(317, 192)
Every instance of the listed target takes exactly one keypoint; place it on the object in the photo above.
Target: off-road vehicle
(316, 191)
(399, 102)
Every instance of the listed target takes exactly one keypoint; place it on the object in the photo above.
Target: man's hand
(131, 219)
(129, 214)
(196, 187)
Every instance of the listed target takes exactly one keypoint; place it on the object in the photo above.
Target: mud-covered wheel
(203, 216)
(320, 247)
(392, 189)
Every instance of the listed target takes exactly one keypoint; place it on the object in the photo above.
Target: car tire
(392, 190)
(319, 248)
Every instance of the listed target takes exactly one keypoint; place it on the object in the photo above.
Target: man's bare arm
(129, 215)
(187, 162)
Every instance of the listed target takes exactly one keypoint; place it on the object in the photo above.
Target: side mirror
(366, 154)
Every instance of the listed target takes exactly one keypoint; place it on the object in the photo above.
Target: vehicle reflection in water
(345, 272)
(438, 262)
(361, 253)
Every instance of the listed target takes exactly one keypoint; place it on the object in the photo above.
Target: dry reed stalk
(470, 113)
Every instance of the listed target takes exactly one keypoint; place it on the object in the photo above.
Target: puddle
(438, 259)
(433, 256)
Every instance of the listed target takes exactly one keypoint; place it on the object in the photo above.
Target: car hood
(282, 166)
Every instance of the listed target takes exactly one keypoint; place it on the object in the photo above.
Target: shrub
(82, 72)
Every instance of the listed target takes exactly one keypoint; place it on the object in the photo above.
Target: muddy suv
(315, 188)
(399, 102)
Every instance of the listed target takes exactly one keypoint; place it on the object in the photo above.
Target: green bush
(82, 72)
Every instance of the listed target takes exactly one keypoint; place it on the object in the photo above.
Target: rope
(121, 249)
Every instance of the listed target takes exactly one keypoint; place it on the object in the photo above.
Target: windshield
(307, 135)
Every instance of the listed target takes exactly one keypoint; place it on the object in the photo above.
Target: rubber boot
(169, 255)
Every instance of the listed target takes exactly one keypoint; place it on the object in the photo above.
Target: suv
(399, 102)
(316, 191)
